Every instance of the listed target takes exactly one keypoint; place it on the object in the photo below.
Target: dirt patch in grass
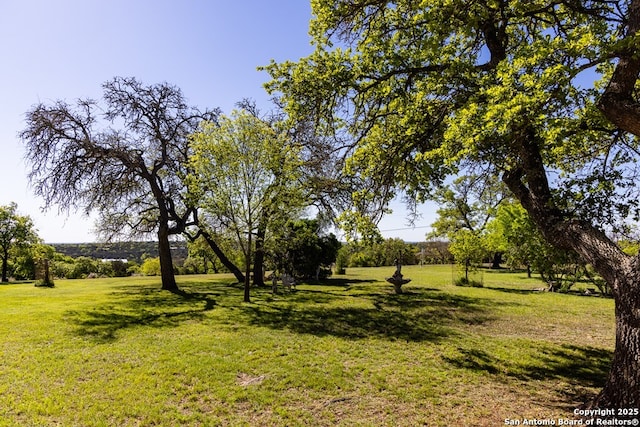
(245, 380)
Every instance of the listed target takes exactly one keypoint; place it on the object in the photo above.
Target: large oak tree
(125, 158)
(541, 93)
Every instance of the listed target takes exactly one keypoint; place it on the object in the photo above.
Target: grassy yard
(120, 352)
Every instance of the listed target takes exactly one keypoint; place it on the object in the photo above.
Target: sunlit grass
(107, 352)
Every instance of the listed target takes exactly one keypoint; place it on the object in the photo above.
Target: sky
(210, 49)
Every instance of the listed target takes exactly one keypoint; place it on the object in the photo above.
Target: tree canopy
(246, 177)
(539, 93)
(301, 249)
(513, 230)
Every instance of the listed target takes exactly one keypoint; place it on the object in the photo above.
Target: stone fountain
(396, 280)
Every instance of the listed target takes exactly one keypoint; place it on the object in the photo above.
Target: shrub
(463, 281)
(150, 267)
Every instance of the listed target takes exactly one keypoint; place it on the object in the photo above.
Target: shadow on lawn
(537, 291)
(342, 282)
(142, 306)
(426, 315)
(577, 366)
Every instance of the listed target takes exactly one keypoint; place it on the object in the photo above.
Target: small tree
(16, 231)
(468, 250)
(246, 177)
(31, 261)
(470, 203)
(302, 250)
(83, 266)
(524, 245)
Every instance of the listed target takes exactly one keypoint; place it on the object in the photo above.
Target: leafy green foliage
(150, 267)
(468, 249)
(427, 89)
(525, 246)
(17, 235)
(302, 250)
(246, 176)
(417, 91)
(468, 203)
(82, 267)
(378, 254)
(244, 169)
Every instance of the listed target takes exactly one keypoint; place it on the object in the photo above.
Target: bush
(150, 267)
(119, 268)
(463, 281)
(82, 267)
(303, 251)
(342, 260)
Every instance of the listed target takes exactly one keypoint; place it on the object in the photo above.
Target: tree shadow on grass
(423, 316)
(579, 367)
(538, 290)
(103, 324)
(133, 306)
(338, 281)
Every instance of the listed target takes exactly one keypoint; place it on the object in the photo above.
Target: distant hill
(132, 251)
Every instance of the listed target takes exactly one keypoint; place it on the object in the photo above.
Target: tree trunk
(223, 258)
(258, 258)
(622, 388)
(497, 259)
(5, 266)
(528, 182)
(166, 262)
(247, 279)
(620, 106)
(619, 102)
(622, 272)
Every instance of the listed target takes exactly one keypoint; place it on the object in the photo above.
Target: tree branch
(618, 102)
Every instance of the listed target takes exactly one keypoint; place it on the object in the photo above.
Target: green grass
(108, 352)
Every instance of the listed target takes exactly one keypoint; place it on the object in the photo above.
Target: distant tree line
(131, 251)
(302, 250)
(385, 252)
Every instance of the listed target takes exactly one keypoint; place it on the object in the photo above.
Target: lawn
(107, 352)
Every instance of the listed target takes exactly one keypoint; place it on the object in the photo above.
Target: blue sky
(65, 49)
